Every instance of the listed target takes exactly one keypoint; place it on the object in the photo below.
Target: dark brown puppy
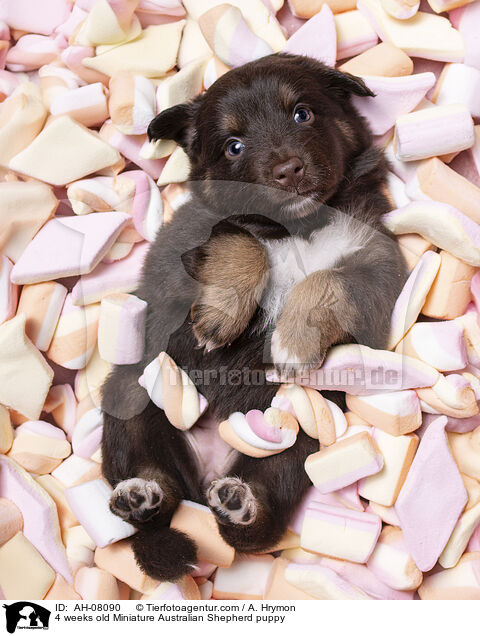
(278, 254)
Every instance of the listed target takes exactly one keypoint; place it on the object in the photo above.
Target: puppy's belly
(214, 456)
(292, 259)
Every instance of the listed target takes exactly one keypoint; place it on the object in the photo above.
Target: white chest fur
(292, 259)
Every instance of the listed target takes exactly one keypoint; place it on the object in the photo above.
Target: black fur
(343, 171)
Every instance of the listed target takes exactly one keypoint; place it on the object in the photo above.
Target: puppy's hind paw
(289, 360)
(232, 501)
(136, 499)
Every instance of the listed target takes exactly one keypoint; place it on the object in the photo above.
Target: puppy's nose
(290, 172)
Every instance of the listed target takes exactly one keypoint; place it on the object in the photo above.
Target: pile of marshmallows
(83, 193)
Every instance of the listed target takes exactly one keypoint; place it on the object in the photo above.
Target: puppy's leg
(149, 464)
(351, 302)
(255, 502)
(233, 273)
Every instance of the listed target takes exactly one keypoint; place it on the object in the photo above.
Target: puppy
(278, 254)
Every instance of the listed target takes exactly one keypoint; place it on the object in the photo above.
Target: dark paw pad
(232, 501)
(136, 499)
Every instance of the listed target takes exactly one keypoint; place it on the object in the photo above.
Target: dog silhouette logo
(26, 615)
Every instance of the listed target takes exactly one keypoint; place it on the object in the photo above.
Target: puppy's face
(275, 135)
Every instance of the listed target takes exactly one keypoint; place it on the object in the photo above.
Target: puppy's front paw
(136, 499)
(232, 501)
(294, 351)
(212, 327)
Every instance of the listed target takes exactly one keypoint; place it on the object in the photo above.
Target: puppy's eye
(302, 114)
(234, 148)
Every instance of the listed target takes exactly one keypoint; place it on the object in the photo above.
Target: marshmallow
(131, 147)
(87, 436)
(214, 69)
(61, 591)
(442, 224)
(39, 447)
(147, 206)
(396, 192)
(392, 563)
(359, 370)
(383, 59)
(260, 434)
(75, 336)
(95, 584)
(468, 521)
(68, 246)
(25, 377)
(413, 246)
(466, 452)
(108, 22)
(311, 410)
(386, 513)
(76, 470)
(8, 291)
(152, 54)
(176, 169)
(90, 504)
(55, 489)
(354, 34)
(23, 571)
(450, 293)
(306, 40)
(87, 105)
(440, 344)
(48, 158)
(131, 103)
(56, 80)
(22, 116)
(340, 533)
(459, 84)
(438, 130)
(401, 9)
(458, 583)
(121, 328)
(21, 15)
(278, 587)
(245, 579)
(394, 97)
(185, 588)
(62, 405)
(73, 57)
(471, 333)
(100, 194)
(424, 35)
(344, 463)
(465, 19)
(24, 208)
(412, 297)
(434, 180)
(80, 548)
(308, 8)
(6, 432)
(174, 196)
(170, 388)
(182, 86)
(467, 163)
(193, 45)
(230, 37)
(90, 379)
(119, 560)
(11, 520)
(322, 583)
(397, 452)
(199, 523)
(431, 499)
(451, 395)
(32, 51)
(40, 518)
(42, 304)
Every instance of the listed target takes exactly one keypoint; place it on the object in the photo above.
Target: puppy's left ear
(176, 123)
(345, 84)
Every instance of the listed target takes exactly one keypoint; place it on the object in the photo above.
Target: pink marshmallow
(121, 276)
(317, 38)
(62, 404)
(431, 499)
(147, 206)
(87, 434)
(30, 15)
(394, 96)
(68, 246)
(32, 51)
(466, 20)
(121, 328)
(86, 104)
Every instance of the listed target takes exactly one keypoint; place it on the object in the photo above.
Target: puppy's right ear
(176, 123)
